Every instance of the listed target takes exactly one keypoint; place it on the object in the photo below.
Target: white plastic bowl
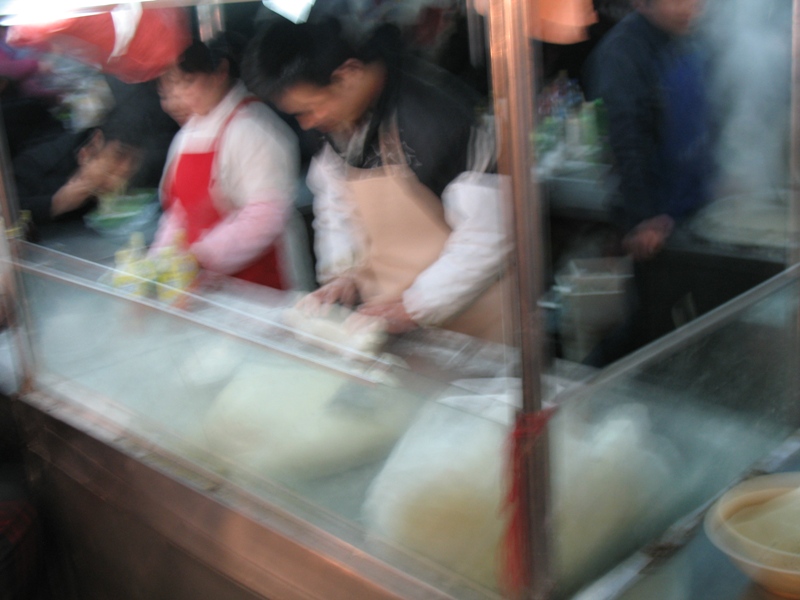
(776, 570)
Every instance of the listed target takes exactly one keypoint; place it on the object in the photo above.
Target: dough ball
(209, 363)
(336, 327)
(440, 493)
(291, 422)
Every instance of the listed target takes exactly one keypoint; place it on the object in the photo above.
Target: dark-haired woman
(231, 170)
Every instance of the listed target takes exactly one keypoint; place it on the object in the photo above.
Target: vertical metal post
(475, 30)
(793, 257)
(10, 279)
(794, 165)
(10, 210)
(513, 81)
(209, 20)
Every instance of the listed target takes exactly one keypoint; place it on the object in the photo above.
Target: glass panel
(609, 170)
(639, 449)
(403, 456)
(300, 427)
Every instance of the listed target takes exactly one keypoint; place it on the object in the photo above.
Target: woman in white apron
(231, 171)
(408, 222)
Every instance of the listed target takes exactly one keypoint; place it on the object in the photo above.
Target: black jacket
(625, 71)
(41, 170)
(436, 115)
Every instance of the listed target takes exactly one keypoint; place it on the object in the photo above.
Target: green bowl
(123, 214)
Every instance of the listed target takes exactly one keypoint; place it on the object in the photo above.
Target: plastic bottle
(133, 270)
(176, 268)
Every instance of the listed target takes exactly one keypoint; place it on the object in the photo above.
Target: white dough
(294, 423)
(606, 477)
(209, 363)
(336, 327)
(440, 492)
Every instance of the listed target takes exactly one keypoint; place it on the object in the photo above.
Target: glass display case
(222, 386)
(392, 467)
(210, 447)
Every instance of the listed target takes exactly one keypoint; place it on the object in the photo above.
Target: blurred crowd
(369, 122)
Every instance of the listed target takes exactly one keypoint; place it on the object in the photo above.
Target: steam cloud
(750, 43)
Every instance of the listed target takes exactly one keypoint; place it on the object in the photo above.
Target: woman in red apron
(231, 170)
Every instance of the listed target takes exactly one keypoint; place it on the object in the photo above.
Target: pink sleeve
(241, 237)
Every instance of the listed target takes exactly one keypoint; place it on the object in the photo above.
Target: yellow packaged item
(133, 270)
(176, 268)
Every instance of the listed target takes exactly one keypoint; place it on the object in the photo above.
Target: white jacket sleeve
(338, 240)
(474, 256)
(258, 161)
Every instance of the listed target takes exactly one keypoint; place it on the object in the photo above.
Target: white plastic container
(592, 299)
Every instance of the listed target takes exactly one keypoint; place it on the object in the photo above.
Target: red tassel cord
(515, 576)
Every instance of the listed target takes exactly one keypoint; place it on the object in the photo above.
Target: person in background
(408, 217)
(146, 112)
(59, 176)
(651, 80)
(63, 176)
(231, 170)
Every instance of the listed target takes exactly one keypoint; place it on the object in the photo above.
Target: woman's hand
(342, 290)
(393, 313)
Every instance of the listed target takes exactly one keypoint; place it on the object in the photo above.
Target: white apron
(405, 232)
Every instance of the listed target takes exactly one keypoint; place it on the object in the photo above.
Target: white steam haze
(750, 86)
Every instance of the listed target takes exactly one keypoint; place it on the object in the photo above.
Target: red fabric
(161, 37)
(191, 186)
(516, 545)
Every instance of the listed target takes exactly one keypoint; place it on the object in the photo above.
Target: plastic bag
(130, 43)
(440, 493)
(297, 424)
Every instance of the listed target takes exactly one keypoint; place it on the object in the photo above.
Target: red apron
(190, 185)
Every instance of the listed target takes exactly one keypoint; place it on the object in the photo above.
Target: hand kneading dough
(297, 423)
(336, 327)
(440, 492)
